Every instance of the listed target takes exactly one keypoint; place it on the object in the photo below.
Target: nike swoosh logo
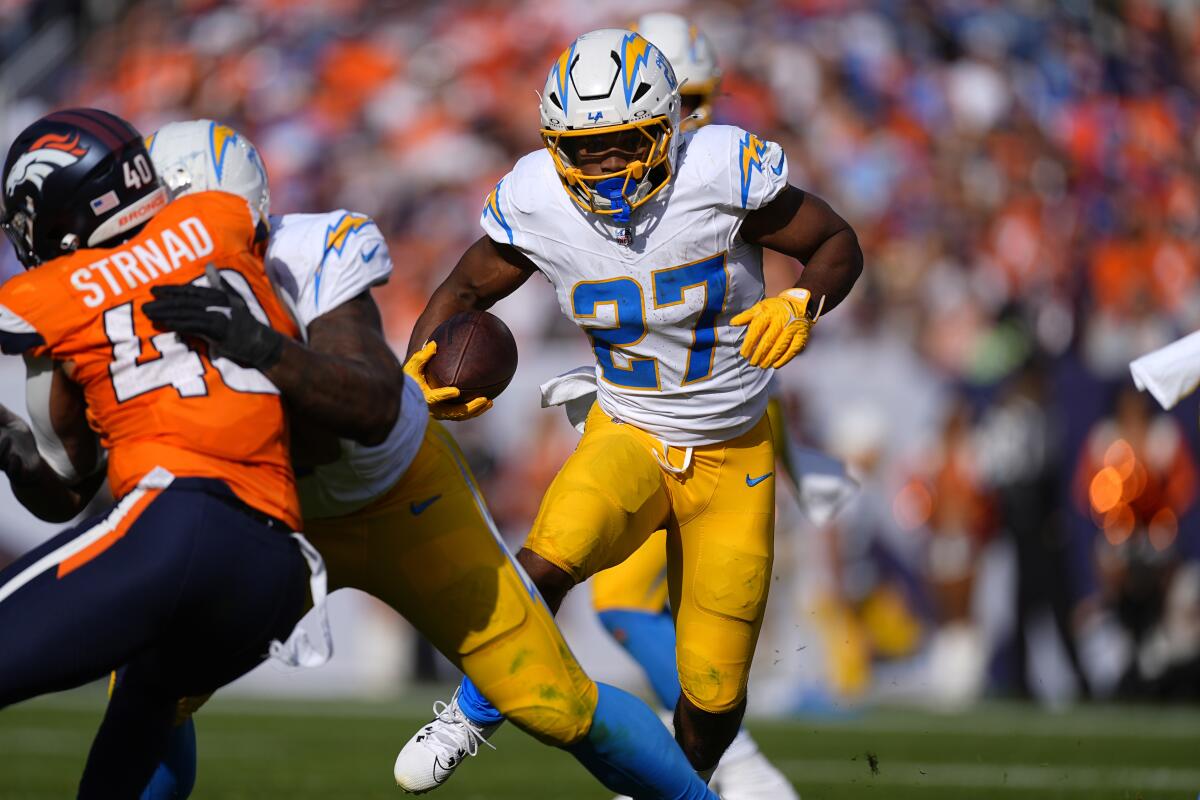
(756, 481)
(418, 508)
(370, 254)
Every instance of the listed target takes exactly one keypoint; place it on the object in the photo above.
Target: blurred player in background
(394, 506)
(653, 240)
(190, 577)
(631, 598)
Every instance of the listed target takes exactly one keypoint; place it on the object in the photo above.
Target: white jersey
(318, 262)
(658, 310)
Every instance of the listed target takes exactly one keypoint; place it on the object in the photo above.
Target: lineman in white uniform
(390, 501)
(652, 241)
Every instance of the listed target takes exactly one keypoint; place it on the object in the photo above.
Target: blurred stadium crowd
(1023, 177)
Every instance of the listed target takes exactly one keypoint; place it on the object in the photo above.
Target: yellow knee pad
(554, 708)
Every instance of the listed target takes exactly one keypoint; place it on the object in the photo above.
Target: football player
(193, 574)
(630, 599)
(653, 241)
(396, 511)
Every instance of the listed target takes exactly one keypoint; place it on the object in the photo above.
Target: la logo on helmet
(52, 151)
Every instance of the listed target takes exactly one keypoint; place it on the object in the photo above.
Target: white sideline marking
(990, 776)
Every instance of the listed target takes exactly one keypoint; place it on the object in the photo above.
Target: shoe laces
(457, 735)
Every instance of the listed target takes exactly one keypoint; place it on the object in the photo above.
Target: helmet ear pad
(77, 178)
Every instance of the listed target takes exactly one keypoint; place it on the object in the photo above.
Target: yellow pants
(639, 583)
(428, 549)
(612, 495)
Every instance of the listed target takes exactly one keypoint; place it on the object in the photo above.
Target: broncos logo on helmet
(79, 177)
(50, 152)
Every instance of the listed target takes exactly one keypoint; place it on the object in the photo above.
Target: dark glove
(220, 316)
(19, 457)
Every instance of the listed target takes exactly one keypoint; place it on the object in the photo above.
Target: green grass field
(261, 750)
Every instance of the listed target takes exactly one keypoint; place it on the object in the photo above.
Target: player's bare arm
(346, 380)
(36, 485)
(487, 273)
(803, 226)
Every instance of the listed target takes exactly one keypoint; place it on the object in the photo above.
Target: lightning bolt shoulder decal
(336, 237)
(751, 151)
(493, 208)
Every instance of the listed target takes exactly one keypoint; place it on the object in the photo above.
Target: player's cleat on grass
(432, 755)
(745, 774)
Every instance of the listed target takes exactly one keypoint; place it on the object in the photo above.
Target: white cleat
(437, 749)
(745, 774)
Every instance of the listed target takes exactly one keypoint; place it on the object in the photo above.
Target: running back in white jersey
(318, 262)
(658, 310)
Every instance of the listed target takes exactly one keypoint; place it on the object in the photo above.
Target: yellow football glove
(438, 399)
(778, 328)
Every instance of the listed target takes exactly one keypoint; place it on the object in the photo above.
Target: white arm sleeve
(39, 377)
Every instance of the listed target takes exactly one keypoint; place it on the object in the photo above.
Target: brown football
(476, 353)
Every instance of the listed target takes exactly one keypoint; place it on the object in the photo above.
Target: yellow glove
(778, 328)
(438, 399)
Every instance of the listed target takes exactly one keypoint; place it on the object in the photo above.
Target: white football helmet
(201, 156)
(694, 59)
(611, 94)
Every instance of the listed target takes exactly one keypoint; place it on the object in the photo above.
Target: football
(476, 353)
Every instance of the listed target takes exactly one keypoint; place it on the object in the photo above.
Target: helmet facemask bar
(18, 227)
(625, 189)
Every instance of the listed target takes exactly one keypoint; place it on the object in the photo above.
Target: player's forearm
(354, 399)
(487, 273)
(832, 269)
(49, 499)
(447, 300)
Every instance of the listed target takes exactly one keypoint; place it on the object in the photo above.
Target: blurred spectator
(1137, 479)
(998, 160)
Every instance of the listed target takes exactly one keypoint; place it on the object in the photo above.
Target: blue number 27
(626, 297)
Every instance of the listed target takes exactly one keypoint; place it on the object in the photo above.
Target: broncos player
(396, 511)
(193, 573)
(630, 599)
(653, 242)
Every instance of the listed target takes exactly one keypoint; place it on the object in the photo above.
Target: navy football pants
(183, 585)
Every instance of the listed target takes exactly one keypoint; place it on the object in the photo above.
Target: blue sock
(650, 639)
(475, 706)
(630, 752)
(176, 774)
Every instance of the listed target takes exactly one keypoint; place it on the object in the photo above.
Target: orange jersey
(155, 400)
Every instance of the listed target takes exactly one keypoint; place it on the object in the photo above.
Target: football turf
(260, 750)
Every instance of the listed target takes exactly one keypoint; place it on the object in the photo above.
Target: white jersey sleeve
(508, 210)
(321, 261)
(743, 172)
